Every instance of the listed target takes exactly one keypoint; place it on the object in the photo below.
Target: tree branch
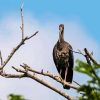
(15, 49)
(1, 59)
(55, 77)
(12, 75)
(22, 19)
(79, 52)
(41, 81)
(89, 55)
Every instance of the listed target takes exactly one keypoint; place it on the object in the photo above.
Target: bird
(63, 58)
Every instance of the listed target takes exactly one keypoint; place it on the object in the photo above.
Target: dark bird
(63, 57)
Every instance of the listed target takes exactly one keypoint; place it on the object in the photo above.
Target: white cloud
(37, 52)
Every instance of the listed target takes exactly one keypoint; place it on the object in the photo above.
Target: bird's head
(61, 28)
(61, 32)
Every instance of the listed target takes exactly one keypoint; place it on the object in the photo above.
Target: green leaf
(90, 90)
(15, 97)
(83, 68)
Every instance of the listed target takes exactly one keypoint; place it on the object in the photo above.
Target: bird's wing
(71, 57)
(70, 64)
(55, 56)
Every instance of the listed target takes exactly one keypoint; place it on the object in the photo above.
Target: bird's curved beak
(60, 30)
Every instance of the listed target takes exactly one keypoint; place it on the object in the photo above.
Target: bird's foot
(65, 86)
(58, 77)
(64, 82)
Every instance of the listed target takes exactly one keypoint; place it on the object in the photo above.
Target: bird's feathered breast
(63, 55)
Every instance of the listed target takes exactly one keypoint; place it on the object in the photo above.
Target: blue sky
(81, 20)
(86, 11)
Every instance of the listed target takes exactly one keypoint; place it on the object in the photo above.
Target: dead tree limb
(54, 77)
(15, 49)
(41, 81)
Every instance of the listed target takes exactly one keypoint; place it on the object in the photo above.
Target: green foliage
(15, 97)
(90, 90)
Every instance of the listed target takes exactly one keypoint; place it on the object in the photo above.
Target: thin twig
(76, 83)
(1, 59)
(79, 52)
(33, 35)
(22, 19)
(89, 55)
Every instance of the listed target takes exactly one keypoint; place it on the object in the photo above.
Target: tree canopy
(90, 90)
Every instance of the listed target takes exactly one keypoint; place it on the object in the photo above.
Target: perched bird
(63, 57)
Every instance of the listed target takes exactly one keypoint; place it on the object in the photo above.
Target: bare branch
(89, 55)
(76, 83)
(57, 78)
(22, 19)
(12, 75)
(15, 49)
(32, 35)
(51, 87)
(1, 59)
(41, 81)
(79, 52)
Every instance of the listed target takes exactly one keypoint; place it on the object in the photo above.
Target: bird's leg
(60, 71)
(60, 74)
(65, 75)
